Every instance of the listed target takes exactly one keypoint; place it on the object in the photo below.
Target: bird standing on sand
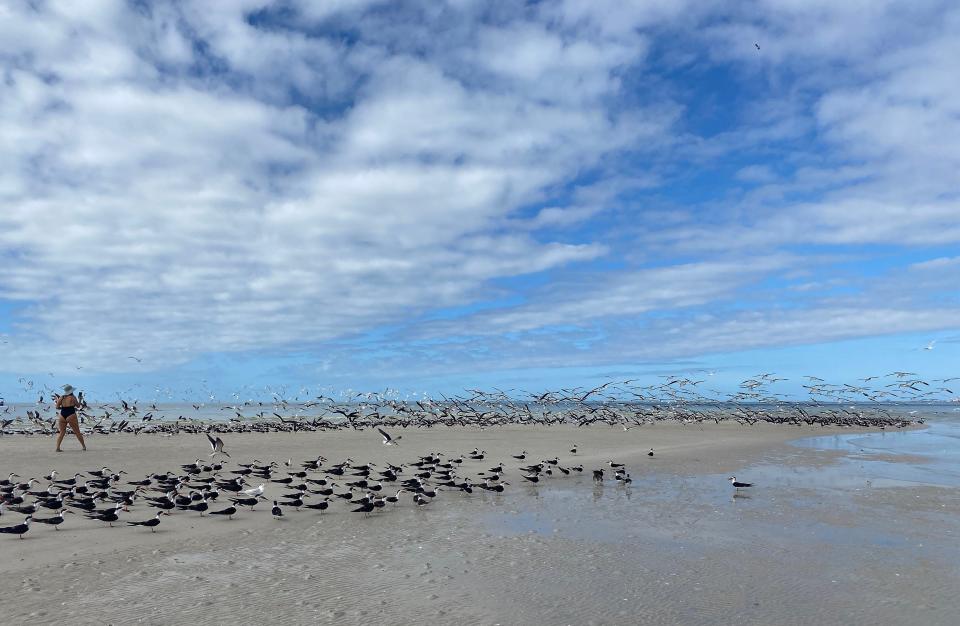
(54, 521)
(739, 485)
(230, 511)
(151, 523)
(255, 492)
(650, 453)
(276, 511)
(19, 529)
(598, 476)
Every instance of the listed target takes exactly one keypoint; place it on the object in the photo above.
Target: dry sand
(673, 548)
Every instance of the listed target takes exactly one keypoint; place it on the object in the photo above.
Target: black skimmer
(54, 521)
(200, 506)
(520, 456)
(420, 500)
(612, 464)
(387, 439)
(216, 444)
(650, 453)
(276, 511)
(366, 508)
(9, 480)
(230, 511)
(70, 482)
(739, 485)
(108, 515)
(151, 523)
(573, 450)
(598, 476)
(250, 502)
(18, 529)
(321, 506)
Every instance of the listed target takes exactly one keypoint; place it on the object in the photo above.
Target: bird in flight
(216, 444)
(757, 45)
(135, 359)
(387, 439)
(929, 346)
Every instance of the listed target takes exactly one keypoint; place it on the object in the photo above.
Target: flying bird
(216, 444)
(757, 45)
(387, 439)
(929, 346)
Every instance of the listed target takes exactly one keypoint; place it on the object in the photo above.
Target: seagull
(253, 493)
(216, 444)
(135, 359)
(739, 485)
(930, 345)
(387, 439)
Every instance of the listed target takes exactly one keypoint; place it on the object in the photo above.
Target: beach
(677, 545)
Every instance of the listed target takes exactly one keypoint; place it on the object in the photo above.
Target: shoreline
(449, 561)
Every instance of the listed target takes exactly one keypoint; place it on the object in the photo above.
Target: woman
(67, 403)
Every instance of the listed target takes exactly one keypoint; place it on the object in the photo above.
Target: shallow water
(868, 537)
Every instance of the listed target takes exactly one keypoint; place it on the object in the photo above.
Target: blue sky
(431, 196)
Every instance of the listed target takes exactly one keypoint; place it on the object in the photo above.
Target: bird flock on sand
(217, 488)
(869, 402)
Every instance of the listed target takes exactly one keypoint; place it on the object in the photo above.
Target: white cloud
(162, 205)
(181, 178)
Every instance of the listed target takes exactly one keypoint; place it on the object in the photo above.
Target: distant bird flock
(871, 402)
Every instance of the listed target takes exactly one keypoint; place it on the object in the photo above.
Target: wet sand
(675, 547)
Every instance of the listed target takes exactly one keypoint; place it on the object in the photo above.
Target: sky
(431, 196)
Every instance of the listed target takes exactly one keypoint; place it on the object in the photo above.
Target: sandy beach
(675, 546)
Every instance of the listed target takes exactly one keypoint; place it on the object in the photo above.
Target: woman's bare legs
(62, 425)
(75, 425)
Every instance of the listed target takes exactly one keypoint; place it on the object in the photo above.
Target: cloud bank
(456, 185)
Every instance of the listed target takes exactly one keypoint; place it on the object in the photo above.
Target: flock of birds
(870, 402)
(211, 488)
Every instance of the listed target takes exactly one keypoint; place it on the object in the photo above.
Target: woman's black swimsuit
(67, 411)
